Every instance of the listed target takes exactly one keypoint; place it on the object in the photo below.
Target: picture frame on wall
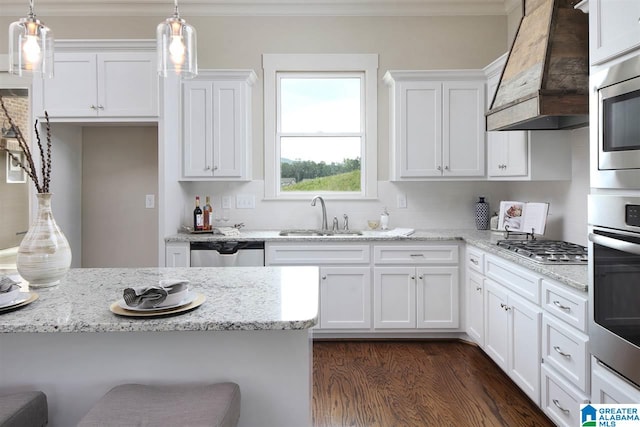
(15, 174)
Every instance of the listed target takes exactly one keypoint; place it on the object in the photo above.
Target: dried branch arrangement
(42, 186)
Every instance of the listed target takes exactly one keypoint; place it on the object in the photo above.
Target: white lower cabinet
(512, 336)
(177, 254)
(345, 297)
(415, 297)
(475, 307)
(607, 387)
(561, 400)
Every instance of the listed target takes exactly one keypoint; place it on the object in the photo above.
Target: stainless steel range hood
(545, 82)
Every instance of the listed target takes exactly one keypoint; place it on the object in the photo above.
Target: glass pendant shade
(176, 45)
(30, 47)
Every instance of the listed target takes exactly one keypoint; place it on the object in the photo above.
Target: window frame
(367, 64)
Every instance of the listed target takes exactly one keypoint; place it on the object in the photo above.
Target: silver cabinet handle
(324, 277)
(421, 277)
(416, 255)
(207, 168)
(557, 403)
(560, 306)
(478, 288)
(561, 353)
(474, 261)
(439, 168)
(100, 107)
(93, 107)
(505, 307)
(215, 168)
(446, 168)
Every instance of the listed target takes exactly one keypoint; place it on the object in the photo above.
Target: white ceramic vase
(44, 256)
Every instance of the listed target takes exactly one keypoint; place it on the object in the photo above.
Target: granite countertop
(241, 298)
(575, 276)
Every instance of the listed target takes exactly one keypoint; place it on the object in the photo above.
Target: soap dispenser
(384, 219)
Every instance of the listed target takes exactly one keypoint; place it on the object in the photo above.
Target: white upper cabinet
(524, 155)
(614, 28)
(88, 85)
(217, 125)
(437, 124)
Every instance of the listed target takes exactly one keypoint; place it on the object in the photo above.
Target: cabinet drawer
(560, 400)
(565, 304)
(475, 259)
(515, 278)
(317, 254)
(440, 254)
(566, 349)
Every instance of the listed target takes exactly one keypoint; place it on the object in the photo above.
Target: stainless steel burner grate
(547, 251)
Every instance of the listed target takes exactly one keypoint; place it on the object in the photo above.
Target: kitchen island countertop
(246, 298)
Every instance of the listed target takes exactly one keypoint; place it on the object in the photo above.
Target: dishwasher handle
(226, 247)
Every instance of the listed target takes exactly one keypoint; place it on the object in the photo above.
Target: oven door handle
(616, 244)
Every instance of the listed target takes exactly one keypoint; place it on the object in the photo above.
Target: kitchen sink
(325, 233)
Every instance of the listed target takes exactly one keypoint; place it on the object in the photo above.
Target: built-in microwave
(615, 109)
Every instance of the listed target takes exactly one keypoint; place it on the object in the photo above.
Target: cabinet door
(72, 91)
(437, 297)
(228, 129)
(177, 254)
(394, 297)
(419, 124)
(508, 153)
(496, 324)
(475, 307)
(613, 28)
(463, 128)
(525, 335)
(127, 84)
(345, 297)
(196, 119)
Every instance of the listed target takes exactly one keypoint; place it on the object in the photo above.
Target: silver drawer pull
(561, 353)
(555, 402)
(560, 306)
(478, 288)
(324, 277)
(475, 261)
(416, 255)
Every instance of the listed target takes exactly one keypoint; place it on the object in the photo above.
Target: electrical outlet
(226, 202)
(150, 201)
(402, 200)
(245, 201)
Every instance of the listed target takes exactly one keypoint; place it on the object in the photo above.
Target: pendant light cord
(31, 14)
(175, 11)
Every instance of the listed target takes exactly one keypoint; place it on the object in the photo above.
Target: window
(320, 125)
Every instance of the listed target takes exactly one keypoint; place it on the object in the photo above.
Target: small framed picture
(15, 174)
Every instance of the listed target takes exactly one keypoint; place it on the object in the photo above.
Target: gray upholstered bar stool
(26, 409)
(210, 405)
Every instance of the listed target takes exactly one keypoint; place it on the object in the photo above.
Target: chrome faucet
(325, 227)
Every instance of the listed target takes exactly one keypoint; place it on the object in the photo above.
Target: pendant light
(176, 45)
(30, 47)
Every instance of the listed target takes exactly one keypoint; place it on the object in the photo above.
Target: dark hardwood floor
(414, 384)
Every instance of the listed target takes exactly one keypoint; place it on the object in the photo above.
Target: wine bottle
(207, 214)
(197, 216)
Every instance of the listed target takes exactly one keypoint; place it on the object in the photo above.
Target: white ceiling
(45, 8)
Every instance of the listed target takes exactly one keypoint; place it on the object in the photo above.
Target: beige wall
(119, 167)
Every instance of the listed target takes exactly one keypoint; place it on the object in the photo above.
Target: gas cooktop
(547, 251)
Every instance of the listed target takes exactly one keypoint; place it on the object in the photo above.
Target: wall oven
(615, 107)
(614, 282)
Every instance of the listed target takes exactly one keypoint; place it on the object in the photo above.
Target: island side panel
(272, 368)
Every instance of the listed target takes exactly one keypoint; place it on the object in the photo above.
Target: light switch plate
(150, 201)
(245, 201)
(402, 200)
(226, 202)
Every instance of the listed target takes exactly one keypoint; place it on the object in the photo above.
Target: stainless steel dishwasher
(227, 254)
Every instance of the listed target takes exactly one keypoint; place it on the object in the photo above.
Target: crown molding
(46, 8)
